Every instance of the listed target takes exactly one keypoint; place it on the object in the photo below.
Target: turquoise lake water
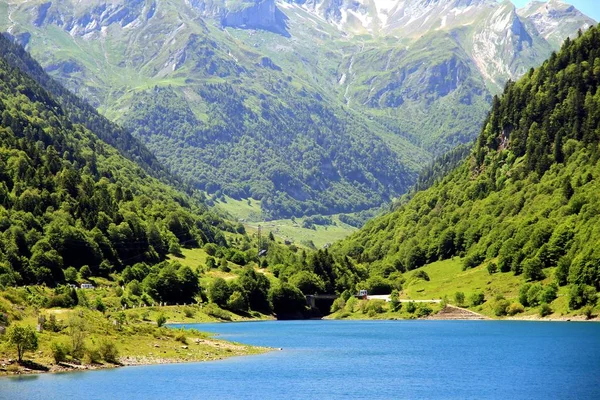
(359, 360)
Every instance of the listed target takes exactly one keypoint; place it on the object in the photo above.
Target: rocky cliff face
(554, 20)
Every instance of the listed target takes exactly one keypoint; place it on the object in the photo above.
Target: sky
(588, 7)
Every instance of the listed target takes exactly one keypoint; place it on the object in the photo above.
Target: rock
(184, 347)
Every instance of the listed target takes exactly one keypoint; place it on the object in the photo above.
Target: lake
(359, 359)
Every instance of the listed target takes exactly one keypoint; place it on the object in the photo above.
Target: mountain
(524, 202)
(70, 200)
(310, 106)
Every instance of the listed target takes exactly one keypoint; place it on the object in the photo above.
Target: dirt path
(386, 297)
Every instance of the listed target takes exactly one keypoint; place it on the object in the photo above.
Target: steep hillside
(68, 200)
(307, 106)
(525, 201)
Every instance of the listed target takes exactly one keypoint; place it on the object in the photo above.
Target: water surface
(359, 359)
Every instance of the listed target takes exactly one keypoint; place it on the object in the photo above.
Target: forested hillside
(81, 112)
(74, 210)
(525, 202)
(67, 199)
(308, 107)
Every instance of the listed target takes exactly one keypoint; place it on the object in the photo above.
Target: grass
(250, 214)
(133, 332)
(447, 278)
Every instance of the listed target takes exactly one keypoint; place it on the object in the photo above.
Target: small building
(362, 294)
(87, 286)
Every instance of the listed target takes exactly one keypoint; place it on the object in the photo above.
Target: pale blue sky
(588, 7)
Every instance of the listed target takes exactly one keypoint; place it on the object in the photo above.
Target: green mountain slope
(68, 199)
(525, 201)
(308, 112)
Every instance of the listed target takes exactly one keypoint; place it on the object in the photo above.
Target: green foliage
(59, 352)
(395, 303)
(525, 199)
(24, 338)
(515, 308)
(459, 298)
(338, 304)
(109, 352)
(501, 307)
(219, 292)
(69, 201)
(161, 319)
(287, 300)
(477, 299)
(420, 274)
(545, 310)
(424, 311)
(411, 307)
(581, 295)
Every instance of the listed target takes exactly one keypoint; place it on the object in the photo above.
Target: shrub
(237, 302)
(459, 298)
(420, 274)
(545, 310)
(395, 304)
(549, 294)
(338, 304)
(533, 295)
(109, 352)
(501, 307)
(180, 337)
(92, 356)
(588, 311)
(351, 304)
(492, 268)
(477, 298)
(213, 310)
(161, 319)
(581, 295)
(411, 307)
(59, 352)
(523, 294)
(423, 311)
(188, 312)
(375, 306)
(515, 308)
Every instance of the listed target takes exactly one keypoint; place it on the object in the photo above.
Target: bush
(92, 356)
(188, 312)
(59, 352)
(338, 304)
(237, 302)
(492, 268)
(215, 311)
(549, 294)
(374, 307)
(523, 294)
(533, 295)
(515, 308)
(588, 311)
(161, 319)
(420, 274)
(545, 310)
(581, 295)
(109, 352)
(180, 337)
(477, 298)
(501, 307)
(411, 307)
(351, 304)
(459, 298)
(424, 311)
(395, 304)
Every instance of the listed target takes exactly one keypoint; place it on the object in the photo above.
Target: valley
(167, 163)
